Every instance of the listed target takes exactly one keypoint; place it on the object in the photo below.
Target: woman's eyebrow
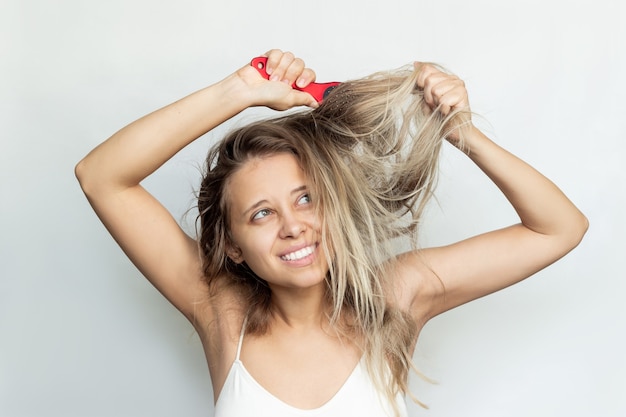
(299, 189)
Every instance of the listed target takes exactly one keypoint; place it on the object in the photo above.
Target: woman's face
(274, 225)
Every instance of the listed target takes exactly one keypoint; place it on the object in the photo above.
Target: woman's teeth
(299, 254)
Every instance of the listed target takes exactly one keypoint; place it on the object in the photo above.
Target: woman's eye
(305, 199)
(260, 214)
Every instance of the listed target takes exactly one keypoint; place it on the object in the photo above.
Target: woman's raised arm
(110, 174)
(550, 225)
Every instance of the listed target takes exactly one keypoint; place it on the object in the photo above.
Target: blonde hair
(371, 152)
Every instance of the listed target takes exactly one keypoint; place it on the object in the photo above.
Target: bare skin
(314, 363)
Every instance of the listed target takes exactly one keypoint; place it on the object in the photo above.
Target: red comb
(319, 91)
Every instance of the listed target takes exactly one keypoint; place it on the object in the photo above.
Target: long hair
(371, 153)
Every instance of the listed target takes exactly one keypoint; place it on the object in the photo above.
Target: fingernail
(274, 78)
(300, 82)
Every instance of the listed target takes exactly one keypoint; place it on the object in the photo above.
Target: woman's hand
(446, 94)
(284, 70)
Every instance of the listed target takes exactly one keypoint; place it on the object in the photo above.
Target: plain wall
(83, 334)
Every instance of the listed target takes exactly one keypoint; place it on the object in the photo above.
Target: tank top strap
(243, 331)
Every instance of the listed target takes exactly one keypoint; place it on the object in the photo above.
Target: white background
(83, 334)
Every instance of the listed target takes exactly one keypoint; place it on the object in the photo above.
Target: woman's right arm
(110, 174)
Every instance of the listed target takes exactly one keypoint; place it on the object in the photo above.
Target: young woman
(302, 305)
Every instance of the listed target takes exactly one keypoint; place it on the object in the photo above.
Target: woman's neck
(299, 308)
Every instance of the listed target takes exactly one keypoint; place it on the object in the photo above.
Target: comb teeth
(339, 103)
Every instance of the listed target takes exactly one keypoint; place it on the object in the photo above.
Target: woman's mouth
(299, 254)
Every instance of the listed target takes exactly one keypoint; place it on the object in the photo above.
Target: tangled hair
(371, 152)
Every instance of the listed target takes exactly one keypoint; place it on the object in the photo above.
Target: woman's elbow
(577, 229)
(85, 175)
(583, 226)
(79, 170)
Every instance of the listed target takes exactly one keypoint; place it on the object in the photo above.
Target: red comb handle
(318, 90)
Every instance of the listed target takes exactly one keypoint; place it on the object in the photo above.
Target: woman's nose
(292, 225)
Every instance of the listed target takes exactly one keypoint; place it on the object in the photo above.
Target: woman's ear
(234, 253)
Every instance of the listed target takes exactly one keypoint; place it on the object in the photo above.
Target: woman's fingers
(293, 71)
(305, 78)
(277, 64)
(442, 91)
(284, 70)
(285, 67)
(450, 94)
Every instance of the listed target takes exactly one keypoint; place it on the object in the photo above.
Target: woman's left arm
(550, 225)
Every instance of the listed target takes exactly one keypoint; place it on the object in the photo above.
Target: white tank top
(243, 396)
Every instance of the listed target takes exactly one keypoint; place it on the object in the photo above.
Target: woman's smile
(303, 254)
